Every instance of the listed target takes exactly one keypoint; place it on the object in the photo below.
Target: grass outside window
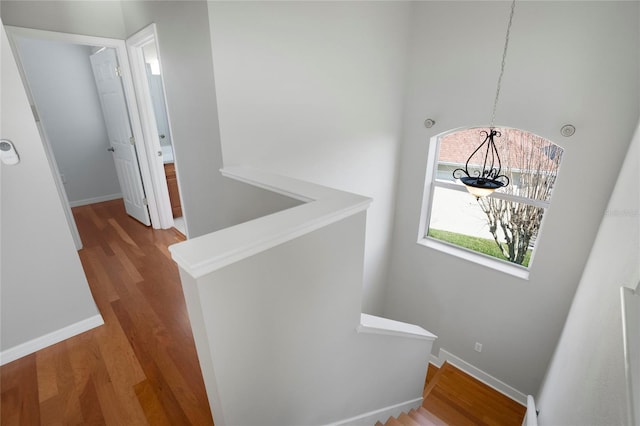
(480, 245)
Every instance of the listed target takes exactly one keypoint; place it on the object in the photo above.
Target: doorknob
(112, 149)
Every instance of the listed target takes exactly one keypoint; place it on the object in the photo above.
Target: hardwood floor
(456, 398)
(140, 367)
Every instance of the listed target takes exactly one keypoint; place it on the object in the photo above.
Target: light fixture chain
(504, 58)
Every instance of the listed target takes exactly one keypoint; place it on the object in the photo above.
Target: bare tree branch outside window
(531, 163)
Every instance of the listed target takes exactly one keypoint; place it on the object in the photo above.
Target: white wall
(64, 91)
(210, 202)
(43, 288)
(213, 203)
(313, 90)
(585, 383)
(102, 18)
(276, 331)
(190, 93)
(569, 62)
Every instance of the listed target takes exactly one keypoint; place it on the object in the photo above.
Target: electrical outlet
(478, 347)
(63, 178)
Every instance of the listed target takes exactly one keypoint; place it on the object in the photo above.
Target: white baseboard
(435, 360)
(52, 338)
(381, 415)
(94, 200)
(485, 378)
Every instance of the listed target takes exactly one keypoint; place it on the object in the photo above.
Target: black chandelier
(485, 181)
(481, 183)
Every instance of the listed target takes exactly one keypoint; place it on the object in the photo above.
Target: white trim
(476, 257)
(245, 176)
(485, 378)
(500, 195)
(24, 349)
(377, 325)
(149, 127)
(207, 253)
(380, 415)
(630, 346)
(437, 362)
(94, 200)
(531, 415)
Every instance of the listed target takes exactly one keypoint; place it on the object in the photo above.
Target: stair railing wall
(275, 304)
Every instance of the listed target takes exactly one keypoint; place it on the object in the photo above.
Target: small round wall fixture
(429, 123)
(567, 130)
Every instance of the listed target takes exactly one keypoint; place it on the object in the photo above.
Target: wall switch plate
(478, 347)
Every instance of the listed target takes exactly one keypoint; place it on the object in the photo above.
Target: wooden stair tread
(393, 422)
(459, 399)
(422, 420)
(433, 381)
(429, 417)
(407, 421)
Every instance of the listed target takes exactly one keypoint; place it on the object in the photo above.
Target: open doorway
(146, 69)
(93, 135)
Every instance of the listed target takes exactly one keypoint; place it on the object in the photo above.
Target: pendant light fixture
(481, 183)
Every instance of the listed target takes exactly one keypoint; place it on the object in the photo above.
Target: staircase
(268, 283)
(452, 397)
(419, 417)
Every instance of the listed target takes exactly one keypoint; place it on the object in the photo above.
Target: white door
(116, 117)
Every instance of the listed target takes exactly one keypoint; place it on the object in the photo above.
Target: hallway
(140, 367)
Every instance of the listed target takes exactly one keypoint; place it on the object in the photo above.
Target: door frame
(134, 45)
(136, 123)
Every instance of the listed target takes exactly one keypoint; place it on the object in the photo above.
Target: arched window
(503, 226)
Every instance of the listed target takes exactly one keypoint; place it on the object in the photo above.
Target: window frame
(431, 182)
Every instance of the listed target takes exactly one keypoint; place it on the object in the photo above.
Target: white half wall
(585, 383)
(43, 288)
(559, 70)
(313, 90)
(274, 304)
(63, 88)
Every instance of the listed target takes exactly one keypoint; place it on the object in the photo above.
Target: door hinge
(145, 201)
(119, 71)
(132, 140)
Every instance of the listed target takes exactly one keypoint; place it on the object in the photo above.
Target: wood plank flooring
(140, 367)
(456, 398)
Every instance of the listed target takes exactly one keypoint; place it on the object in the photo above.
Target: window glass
(506, 224)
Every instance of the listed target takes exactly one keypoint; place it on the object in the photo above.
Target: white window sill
(481, 259)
